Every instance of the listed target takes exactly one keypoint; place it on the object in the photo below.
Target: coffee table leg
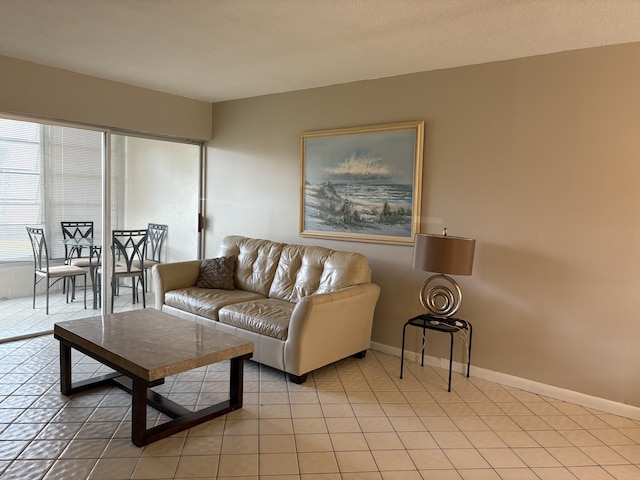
(236, 382)
(65, 369)
(139, 414)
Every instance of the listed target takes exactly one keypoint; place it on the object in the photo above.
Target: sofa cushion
(206, 302)
(268, 317)
(256, 261)
(305, 270)
(217, 273)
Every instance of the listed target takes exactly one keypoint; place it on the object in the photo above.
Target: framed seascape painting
(362, 184)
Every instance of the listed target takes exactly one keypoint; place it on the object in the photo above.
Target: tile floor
(354, 420)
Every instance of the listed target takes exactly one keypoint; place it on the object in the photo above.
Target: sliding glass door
(52, 173)
(160, 184)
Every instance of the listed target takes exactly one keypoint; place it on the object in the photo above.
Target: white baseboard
(602, 404)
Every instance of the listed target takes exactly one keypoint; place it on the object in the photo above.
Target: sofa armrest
(171, 276)
(328, 327)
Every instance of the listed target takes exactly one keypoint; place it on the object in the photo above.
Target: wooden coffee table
(144, 347)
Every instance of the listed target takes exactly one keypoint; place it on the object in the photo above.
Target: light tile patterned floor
(354, 420)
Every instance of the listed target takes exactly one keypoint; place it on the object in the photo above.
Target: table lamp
(445, 255)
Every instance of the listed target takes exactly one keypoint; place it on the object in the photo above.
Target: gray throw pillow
(217, 273)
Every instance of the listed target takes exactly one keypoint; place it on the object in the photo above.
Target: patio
(18, 318)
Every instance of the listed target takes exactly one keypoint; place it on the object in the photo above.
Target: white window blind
(49, 174)
(21, 188)
(73, 181)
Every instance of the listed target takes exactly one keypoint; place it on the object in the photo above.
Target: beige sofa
(304, 307)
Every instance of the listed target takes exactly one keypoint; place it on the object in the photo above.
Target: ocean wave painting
(362, 184)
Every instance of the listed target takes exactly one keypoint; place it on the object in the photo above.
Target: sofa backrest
(305, 270)
(256, 261)
(290, 272)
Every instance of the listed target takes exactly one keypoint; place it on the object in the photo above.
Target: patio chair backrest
(76, 231)
(39, 247)
(157, 233)
(129, 248)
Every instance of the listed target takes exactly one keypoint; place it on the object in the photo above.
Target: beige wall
(30, 89)
(537, 158)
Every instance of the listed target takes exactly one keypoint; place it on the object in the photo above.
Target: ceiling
(217, 50)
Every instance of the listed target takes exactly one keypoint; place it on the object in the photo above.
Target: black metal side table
(448, 325)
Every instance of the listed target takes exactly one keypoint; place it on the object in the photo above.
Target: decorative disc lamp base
(441, 295)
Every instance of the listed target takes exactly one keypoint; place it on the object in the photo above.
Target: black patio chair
(128, 253)
(43, 271)
(78, 241)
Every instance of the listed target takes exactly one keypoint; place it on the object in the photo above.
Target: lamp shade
(443, 254)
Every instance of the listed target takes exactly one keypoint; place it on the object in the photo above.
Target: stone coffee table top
(151, 344)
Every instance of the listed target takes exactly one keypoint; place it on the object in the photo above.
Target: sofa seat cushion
(206, 302)
(268, 317)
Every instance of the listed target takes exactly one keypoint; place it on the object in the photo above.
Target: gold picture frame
(362, 183)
